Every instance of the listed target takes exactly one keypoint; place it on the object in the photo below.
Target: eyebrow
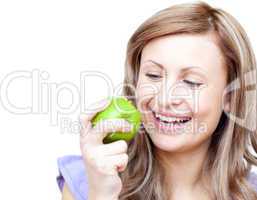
(184, 69)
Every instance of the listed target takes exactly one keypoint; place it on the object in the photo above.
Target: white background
(64, 38)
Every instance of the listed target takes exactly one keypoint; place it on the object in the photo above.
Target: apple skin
(118, 108)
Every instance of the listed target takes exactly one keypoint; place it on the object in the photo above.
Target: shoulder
(252, 178)
(72, 174)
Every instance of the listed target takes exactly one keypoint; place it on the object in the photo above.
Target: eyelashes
(192, 84)
(195, 84)
(153, 76)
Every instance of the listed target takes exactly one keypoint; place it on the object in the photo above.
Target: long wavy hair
(232, 150)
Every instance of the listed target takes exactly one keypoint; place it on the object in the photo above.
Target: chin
(172, 143)
(180, 144)
(181, 141)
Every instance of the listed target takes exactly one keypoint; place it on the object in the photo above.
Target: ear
(226, 103)
(227, 107)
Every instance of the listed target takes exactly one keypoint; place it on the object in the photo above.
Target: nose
(172, 95)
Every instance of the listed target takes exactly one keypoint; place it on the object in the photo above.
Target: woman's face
(179, 90)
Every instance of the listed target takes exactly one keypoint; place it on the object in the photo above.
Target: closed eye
(195, 84)
(153, 76)
(190, 83)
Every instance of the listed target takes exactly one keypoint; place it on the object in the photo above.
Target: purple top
(72, 172)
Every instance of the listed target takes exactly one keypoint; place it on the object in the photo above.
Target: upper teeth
(171, 119)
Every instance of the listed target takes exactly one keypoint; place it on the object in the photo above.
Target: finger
(84, 129)
(94, 109)
(111, 164)
(114, 148)
(103, 127)
(122, 168)
(85, 118)
(91, 152)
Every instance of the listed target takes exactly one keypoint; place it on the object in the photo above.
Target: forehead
(178, 51)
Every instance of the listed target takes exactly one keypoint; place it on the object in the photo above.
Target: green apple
(119, 107)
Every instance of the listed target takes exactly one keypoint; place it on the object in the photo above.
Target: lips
(170, 114)
(182, 121)
(171, 118)
(172, 128)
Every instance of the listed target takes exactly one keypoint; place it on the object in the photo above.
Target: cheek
(209, 109)
(145, 92)
(203, 105)
(208, 101)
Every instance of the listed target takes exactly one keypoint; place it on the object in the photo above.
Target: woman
(181, 62)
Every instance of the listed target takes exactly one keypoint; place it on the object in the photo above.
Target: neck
(184, 169)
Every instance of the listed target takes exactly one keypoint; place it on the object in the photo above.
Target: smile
(171, 124)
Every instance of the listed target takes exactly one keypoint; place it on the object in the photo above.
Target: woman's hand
(103, 161)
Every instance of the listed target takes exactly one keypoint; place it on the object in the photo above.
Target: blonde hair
(231, 152)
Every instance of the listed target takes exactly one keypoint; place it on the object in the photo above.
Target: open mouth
(174, 121)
